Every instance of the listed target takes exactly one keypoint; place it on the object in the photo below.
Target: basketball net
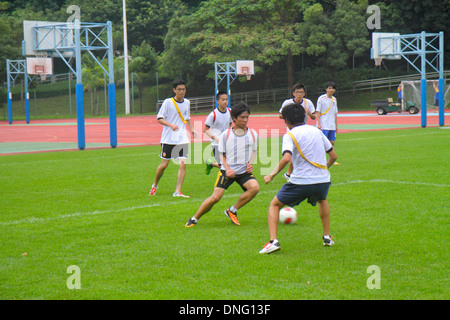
(378, 61)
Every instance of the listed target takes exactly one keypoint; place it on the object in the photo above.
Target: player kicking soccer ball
(306, 147)
(237, 148)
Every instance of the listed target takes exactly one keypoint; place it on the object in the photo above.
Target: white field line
(91, 158)
(173, 203)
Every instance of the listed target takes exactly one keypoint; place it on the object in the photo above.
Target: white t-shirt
(328, 120)
(169, 112)
(314, 146)
(218, 122)
(309, 106)
(238, 149)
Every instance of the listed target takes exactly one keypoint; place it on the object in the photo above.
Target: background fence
(55, 96)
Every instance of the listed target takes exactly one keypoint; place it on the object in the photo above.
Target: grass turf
(389, 207)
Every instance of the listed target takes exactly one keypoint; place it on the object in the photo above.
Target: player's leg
(209, 203)
(181, 153)
(251, 190)
(165, 155)
(181, 174)
(272, 219)
(159, 173)
(324, 213)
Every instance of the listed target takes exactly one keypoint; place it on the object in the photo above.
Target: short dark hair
(331, 84)
(294, 114)
(298, 86)
(176, 83)
(219, 94)
(239, 108)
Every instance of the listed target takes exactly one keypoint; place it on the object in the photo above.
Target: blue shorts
(293, 194)
(330, 134)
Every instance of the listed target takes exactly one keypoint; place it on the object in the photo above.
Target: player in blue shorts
(306, 147)
(326, 113)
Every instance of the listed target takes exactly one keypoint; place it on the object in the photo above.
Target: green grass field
(389, 204)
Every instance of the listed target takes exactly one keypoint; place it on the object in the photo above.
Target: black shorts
(174, 151)
(293, 194)
(224, 182)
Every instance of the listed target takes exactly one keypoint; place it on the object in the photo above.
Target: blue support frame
(429, 47)
(14, 68)
(76, 37)
(222, 70)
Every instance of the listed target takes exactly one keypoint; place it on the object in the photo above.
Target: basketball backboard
(245, 68)
(45, 39)
(385, 46)
(41, 66)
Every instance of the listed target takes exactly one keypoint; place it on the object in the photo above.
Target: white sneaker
(286, 177)
(271, 247)
(328, 240)
(179, 194)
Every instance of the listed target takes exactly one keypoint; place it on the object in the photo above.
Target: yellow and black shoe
(190, 223)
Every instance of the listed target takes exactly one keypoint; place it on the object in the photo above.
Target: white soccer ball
(288, 215)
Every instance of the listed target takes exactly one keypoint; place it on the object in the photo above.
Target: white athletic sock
(233, 209)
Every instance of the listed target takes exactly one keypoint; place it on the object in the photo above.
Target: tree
(93, 79)
(143, 66)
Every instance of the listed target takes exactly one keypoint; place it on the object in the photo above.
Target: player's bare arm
(207, 131)
(165, 123)
(191, 128)
(283, 162)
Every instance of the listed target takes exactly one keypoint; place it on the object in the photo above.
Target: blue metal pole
(10, 116)
(216, 89)
(423, 82)
(27, 95)
(9, 94)
(111, 90)
(228, 85)
(79, 89)
(80, 116)
(112, 115)
(441, 80)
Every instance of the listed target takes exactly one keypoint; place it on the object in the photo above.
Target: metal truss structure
(224, 70)
(68, 40)
(428, 48)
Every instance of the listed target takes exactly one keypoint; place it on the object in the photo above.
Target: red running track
(145, 130)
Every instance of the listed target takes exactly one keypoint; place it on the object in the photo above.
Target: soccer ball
(288, 215)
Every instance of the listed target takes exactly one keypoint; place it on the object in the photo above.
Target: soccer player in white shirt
(217, 122)
(310, 179)
(237, 147)
(299, 97)
(326, 112)
(174, 114)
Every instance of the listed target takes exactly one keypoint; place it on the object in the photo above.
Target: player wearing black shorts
(237, 148)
